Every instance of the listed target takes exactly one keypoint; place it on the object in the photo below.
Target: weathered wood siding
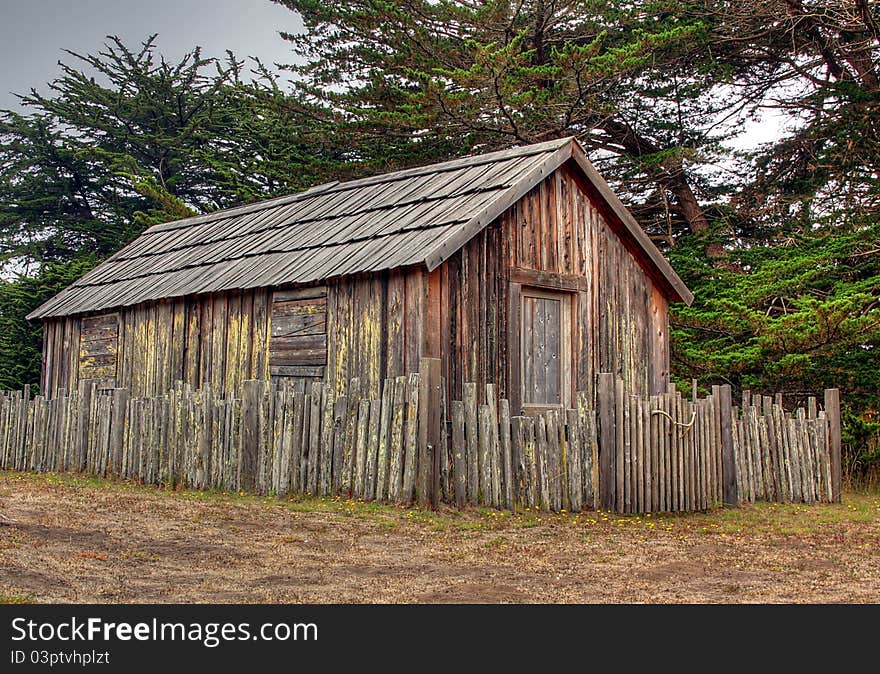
(99, 348)
(298, 344)
(221, 339)
(375, 327)
(554, 238)
(60, 354)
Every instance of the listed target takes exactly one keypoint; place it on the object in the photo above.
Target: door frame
(567, 299)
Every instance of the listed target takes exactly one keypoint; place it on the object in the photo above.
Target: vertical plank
(495, 468)
(785, 482)
(554, 455)
(543, 485)
(397, 447)
(383, 456)
(363, 437)
(410, 463)
(507, 454)
(260, 331)
(298, 427)
(630, 481)
(349, 458)
(231, 362)
(284, 440)
(804, 455)
(445, 471)
(586, 430)
(517, 443)
(217, 335)
(530, 453)
(794, 456)
(340, 426)
(314, 441)
(250, 403)
(371, 464)
(764, 457)
(485, 441)
(459, 453)
(688, 416)
(728, 458)
(832, 413)
(573, 462)
(429, 431)
(661, 434)
(118, 428)
(325, 456)
(85, 397)
(719, 467)
(619, 403)
(757, 451)
(775, 456)
(642, 490)
(806, 460)
(514, 358)
(607, 436)
(473, 446)
(824, 439)
(653, 440)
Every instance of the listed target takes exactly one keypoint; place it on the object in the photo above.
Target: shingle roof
(416, 216)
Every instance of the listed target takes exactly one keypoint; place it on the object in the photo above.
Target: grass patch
(15, 599)
(858, 507)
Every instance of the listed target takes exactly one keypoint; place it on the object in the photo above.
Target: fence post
(607, 479)
(832, 411)
(82, 424)
(429, 432)
(728, 459)
(250, 434)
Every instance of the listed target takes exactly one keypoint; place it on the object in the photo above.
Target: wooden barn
(520, 268)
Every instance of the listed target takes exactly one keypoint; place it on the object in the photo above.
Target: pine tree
(124, 140)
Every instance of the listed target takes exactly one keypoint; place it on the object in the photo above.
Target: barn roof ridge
(420, 215)
(337, 186)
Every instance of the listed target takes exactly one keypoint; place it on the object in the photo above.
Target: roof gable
(416, 216)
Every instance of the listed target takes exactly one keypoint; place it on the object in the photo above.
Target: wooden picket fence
(666, 453)
(631, 454)
(787, 457)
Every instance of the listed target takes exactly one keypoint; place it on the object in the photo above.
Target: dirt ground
(75, 539)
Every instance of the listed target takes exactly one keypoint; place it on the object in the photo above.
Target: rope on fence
(677, 423)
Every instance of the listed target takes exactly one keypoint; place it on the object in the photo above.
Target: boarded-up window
(98, 347)
(546, 348)
(298, 346)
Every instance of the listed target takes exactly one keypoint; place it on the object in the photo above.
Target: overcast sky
(34, 32)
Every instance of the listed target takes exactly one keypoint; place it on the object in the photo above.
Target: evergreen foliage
(125, 140)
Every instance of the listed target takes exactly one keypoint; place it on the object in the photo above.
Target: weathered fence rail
(631, 454)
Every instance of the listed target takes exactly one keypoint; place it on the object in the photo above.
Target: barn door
(545, 349)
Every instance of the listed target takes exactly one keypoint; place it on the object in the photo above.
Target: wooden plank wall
(473, 314)
(221, 339)
(60, 354)
(554, 238)
(99, 348)
(633, 314)
(298, 343)
(375, 327)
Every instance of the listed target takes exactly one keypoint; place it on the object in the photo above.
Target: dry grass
(80, 539)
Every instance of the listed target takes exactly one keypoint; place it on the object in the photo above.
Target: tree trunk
(672, 178)
(693, 214)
